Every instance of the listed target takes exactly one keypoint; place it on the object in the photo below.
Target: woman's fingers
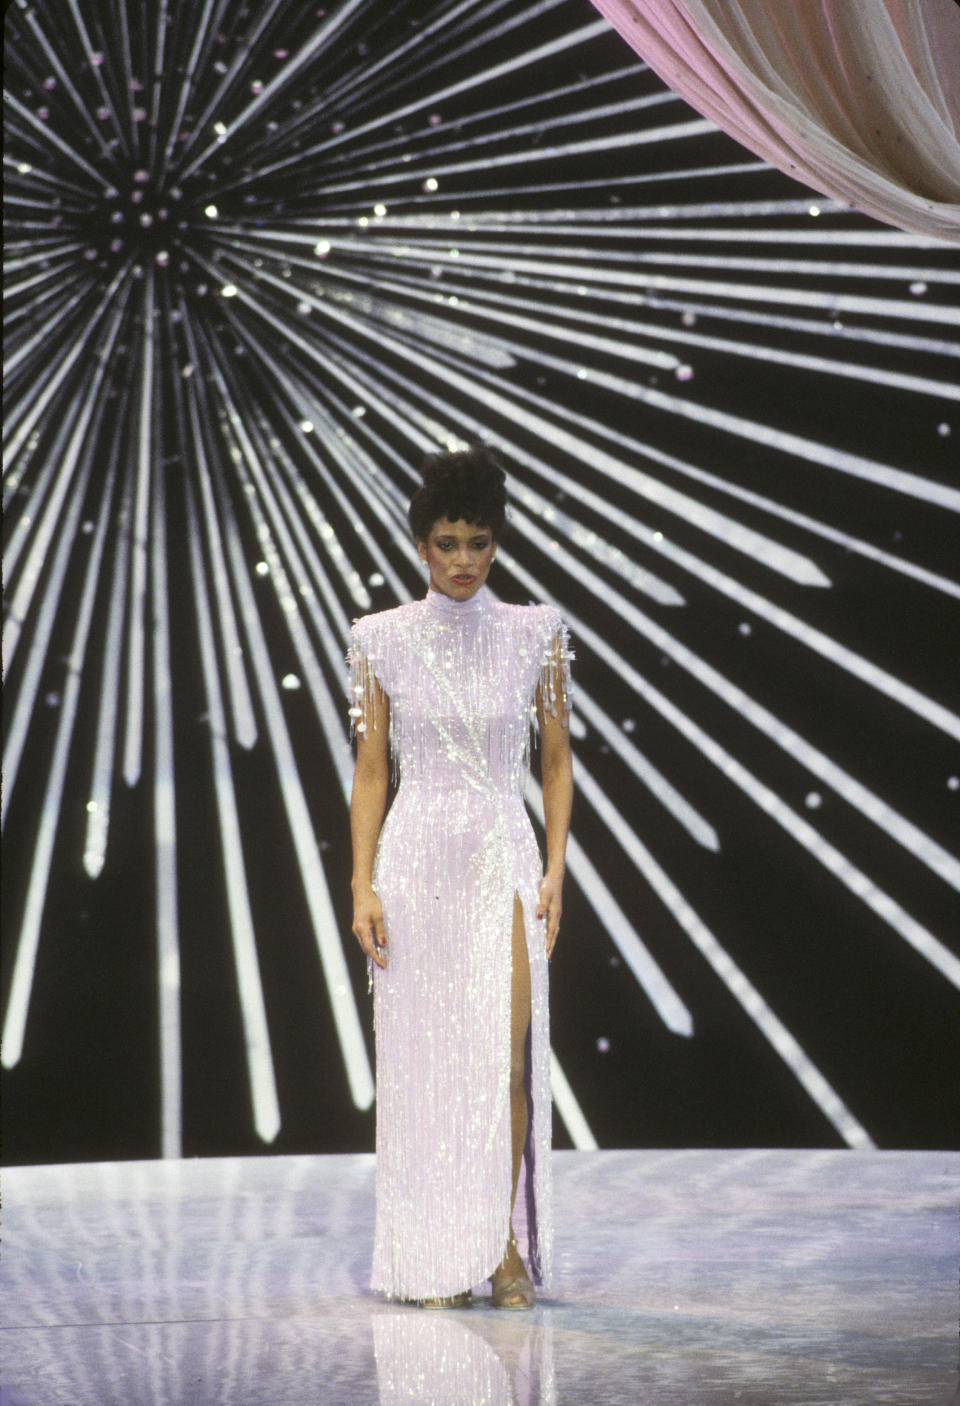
(370, 932)
(553, 927)
(550, 908)
(370, 946)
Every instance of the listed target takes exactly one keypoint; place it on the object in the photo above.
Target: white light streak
(165, 843)
(569, 1109)
(260, 1071)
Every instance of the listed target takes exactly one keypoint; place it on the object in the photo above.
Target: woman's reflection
(462, 1359)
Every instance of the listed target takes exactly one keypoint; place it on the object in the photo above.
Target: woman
(452, 906)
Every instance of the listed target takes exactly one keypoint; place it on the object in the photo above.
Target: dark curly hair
(468, 485)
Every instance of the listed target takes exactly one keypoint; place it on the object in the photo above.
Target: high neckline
(446, 608)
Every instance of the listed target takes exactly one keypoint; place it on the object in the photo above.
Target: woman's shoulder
(533, 618)
(384, 624)
(537, 623)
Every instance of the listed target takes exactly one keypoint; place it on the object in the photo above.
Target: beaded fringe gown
(457, 845)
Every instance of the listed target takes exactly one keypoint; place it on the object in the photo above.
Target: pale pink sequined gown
(456, 846)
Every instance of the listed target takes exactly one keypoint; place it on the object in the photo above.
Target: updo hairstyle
(467, 485)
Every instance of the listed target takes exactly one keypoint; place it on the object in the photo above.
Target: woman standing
(452, 906)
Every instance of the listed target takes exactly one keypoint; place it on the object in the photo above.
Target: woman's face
(459, 556)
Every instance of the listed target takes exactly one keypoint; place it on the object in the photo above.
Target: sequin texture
(456, 846)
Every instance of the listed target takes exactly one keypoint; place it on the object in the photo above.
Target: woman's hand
(550, 906)
(368, 926)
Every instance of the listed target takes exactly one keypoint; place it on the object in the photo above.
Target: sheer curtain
(859, 99)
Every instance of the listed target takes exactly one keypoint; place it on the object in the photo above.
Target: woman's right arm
(368, 803)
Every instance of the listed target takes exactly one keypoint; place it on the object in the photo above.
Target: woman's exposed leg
(519, 1027)
(511, 1287)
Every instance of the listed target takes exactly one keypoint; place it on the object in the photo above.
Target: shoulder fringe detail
(555, 686)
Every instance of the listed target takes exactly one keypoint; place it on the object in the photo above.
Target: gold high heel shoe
(510, 1283)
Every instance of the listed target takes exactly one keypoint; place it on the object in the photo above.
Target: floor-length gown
(455, 848)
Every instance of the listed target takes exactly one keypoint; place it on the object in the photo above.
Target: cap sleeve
(364, 685)
(555, 657)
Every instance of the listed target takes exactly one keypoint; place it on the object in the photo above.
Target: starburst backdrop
(259, 259)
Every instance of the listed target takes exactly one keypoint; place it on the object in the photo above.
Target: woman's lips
(463, 580)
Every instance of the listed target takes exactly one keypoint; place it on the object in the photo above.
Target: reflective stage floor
(702, 1277)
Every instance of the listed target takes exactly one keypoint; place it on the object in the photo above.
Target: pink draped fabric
(859, 99)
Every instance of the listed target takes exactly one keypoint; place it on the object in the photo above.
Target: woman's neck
(447, 608)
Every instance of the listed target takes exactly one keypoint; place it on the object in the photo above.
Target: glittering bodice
(461, 677)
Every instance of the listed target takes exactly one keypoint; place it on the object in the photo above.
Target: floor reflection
(447, 1357)
(683, 1276)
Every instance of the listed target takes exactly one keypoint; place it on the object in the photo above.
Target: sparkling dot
(95, 60)
(141, 176)
(745, 627)
(256, 86)
(435, 119)
(211, 212)
(303, 309)
(146, 219)
(229, 290)
(689, 319)
(376, 579)
(813, 800)
(581, 374)
(220, 129)
(918, 288)
(52, 700)
(380, 211)
(24, 168)
(814, 210)
(322, 248)
(629, 725)
(359, 411)
(603, 1044)
(262, 569)
(953, 783)
(307, 426)
(163, 258)
(684, 373)
(49, 84)
(290, 682)
(431, 184)
(92, 807)
(281, 53)
(943, 429)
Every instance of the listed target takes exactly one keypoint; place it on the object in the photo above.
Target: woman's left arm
(556, 767)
